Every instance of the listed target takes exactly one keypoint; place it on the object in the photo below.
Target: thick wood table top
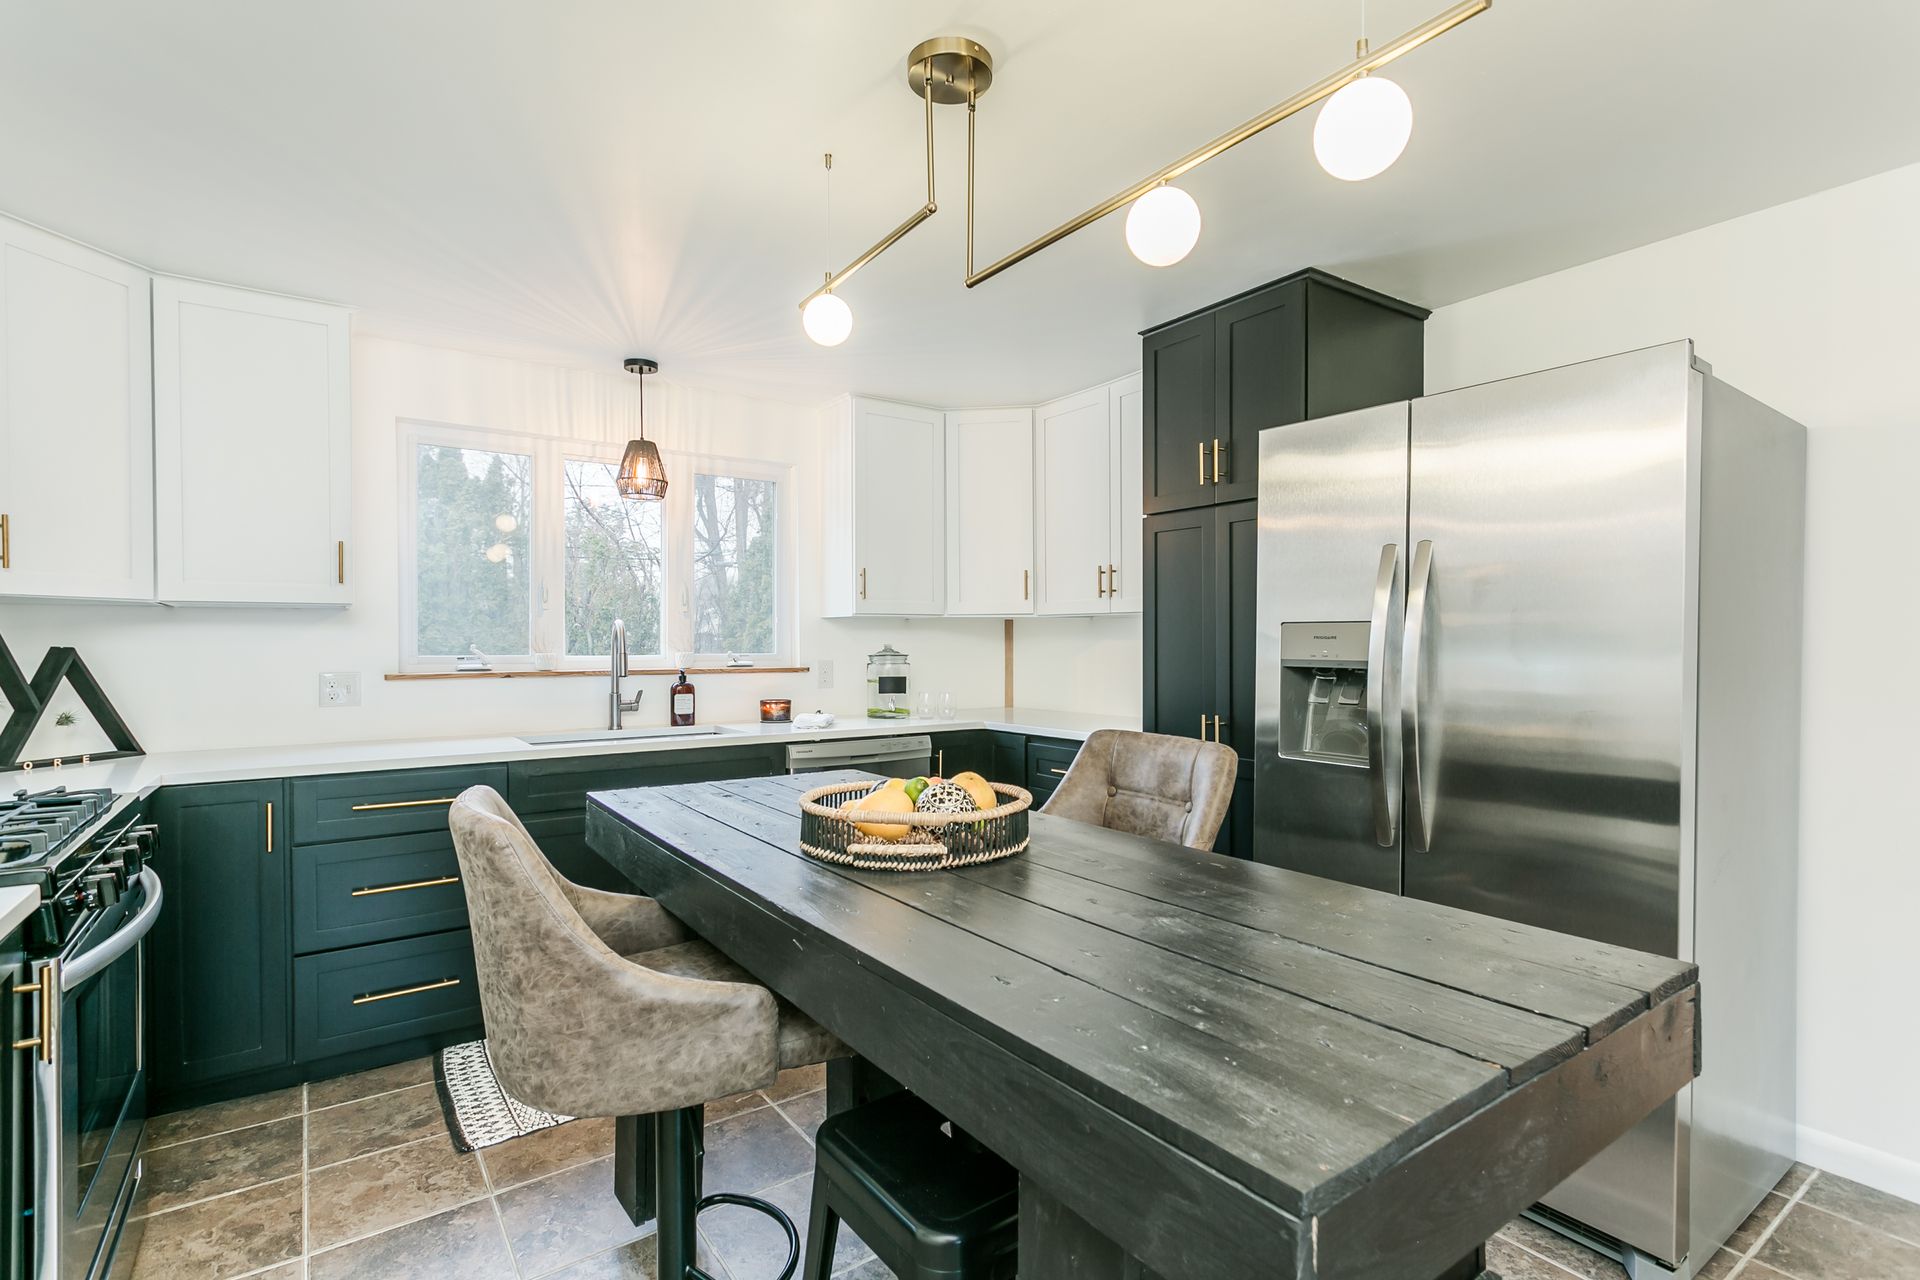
(1216, 1063)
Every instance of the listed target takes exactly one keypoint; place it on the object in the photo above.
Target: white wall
(1814, 307)
(1078, 664)
(194, 678)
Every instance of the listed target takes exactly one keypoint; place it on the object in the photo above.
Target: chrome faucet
(616, 668)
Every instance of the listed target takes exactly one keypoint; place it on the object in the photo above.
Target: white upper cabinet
(252, 447)
(990, 512)
(883, 518)
(1087, 502)
(76, 437)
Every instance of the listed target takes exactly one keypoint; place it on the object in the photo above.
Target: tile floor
(357, 1178)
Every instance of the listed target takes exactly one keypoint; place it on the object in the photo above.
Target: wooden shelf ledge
(602, 675)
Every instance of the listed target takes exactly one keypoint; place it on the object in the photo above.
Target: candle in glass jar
(776, 710)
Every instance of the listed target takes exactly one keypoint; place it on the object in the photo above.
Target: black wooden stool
(932, 1203)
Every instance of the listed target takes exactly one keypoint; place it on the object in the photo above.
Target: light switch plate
(823, 673)
(339, 688)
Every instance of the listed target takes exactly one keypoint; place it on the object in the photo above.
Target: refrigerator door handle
(1383, 693)
(1419, 746)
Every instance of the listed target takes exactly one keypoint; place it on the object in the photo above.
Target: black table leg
(852, 1081)
(633, 1138)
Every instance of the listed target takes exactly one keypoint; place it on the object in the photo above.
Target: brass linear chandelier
(1360, 132)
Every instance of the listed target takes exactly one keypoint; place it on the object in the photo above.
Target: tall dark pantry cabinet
(1301, 347)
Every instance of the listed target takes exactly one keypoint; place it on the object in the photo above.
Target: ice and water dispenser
(1323, 691)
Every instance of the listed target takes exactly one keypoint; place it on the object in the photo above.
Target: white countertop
(238, 764)
(17, 902)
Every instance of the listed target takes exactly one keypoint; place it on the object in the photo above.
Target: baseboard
(1883, 1169)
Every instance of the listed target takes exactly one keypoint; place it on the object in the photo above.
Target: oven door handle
(89, 963)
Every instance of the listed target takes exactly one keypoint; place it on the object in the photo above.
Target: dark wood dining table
(1200, 1066)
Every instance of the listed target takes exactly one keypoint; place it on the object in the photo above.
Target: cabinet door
(1236, 833)
(221, 955)
(899, 501)
(76, 424)
(1260, 381)
(1177, 380)
(1125, 402)
(1236, 597)
(989, 534)
(1177, 648)
(1074, 465)
(252, 438)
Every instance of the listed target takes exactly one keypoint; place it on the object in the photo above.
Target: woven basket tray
(933, 841)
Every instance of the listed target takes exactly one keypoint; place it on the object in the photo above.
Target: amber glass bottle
(681, 699)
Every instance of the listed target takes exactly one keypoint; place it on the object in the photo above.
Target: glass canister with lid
(887, 684)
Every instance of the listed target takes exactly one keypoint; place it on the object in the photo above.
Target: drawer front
(561, 786)
(358, 891)
(1047, 762)
(365, 997)
(353, 806)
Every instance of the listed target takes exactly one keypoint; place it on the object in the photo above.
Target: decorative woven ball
(945, 797)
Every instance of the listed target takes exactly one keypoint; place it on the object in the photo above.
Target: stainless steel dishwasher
(907, 755)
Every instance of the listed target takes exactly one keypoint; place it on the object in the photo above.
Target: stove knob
(103, 889)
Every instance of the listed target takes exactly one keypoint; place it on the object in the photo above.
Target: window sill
(601, 675)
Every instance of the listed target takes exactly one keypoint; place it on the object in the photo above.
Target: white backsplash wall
(1078, 664)
(1809, 306)
(186, 679)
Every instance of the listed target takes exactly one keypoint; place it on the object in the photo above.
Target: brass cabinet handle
(1100, 581)
(863, 584)
(6, 541)
(269, 826)
(1216, 728)
(1113, 580)
(1218, 449)
(403, 804)
(940, 762)
(1203, 726)
(48, 989)
(1026, 584)
(340, 553)
(1058, 773)
(435, 883)
(1203, 461)
(373, 997)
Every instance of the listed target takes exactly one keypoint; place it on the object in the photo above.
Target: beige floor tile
(219, 1117)
(364, 1084)
(1511, 1262)
(460, 1244)
(1563, 1252)
(1863, 1204)
(229, 1236)
(1719, 1267)
(562, 1218)
(536, 1155)
(373, 1124)
(1748, 1233)
(797, 1080)
(1812, 1244)
(206, 1167)
(371, 1193)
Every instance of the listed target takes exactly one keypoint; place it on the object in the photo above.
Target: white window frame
(680, 552)
(548, 547)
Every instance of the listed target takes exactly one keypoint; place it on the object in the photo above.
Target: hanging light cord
(827, 243)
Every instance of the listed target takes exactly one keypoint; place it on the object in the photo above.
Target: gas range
(80, 848)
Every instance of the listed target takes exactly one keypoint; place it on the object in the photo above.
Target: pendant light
(826, 317)
(1364, 127)
(1163, 226)
(642, 475)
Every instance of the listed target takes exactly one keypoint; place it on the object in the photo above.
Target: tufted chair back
(1149, 784)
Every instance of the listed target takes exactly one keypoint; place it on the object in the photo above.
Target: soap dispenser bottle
(681, 700)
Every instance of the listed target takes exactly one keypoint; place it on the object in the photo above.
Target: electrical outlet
(823, 673)
(339, 688)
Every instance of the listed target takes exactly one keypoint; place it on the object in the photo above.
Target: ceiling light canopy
(1362, 129)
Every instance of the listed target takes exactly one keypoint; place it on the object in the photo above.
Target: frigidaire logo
(1334, 636)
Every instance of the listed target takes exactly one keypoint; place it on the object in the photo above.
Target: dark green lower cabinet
(352, 892)
(369, 996)
(218, 952)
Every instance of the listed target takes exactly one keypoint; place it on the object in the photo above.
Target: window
(473, 527)
(522, 548)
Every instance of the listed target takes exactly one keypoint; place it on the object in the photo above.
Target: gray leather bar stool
(1149, 784)
(602, 1004)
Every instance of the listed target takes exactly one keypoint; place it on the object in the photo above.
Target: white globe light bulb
(1363, 128)
(827, 320)
(1163, 226)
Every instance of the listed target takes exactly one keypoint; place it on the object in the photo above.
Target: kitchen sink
(624, 735)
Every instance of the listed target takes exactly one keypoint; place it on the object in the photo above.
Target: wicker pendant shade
(642, 474)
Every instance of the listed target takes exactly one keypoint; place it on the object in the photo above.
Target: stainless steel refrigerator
(1532, 649)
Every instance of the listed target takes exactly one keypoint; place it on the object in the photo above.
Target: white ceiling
(591, 178)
